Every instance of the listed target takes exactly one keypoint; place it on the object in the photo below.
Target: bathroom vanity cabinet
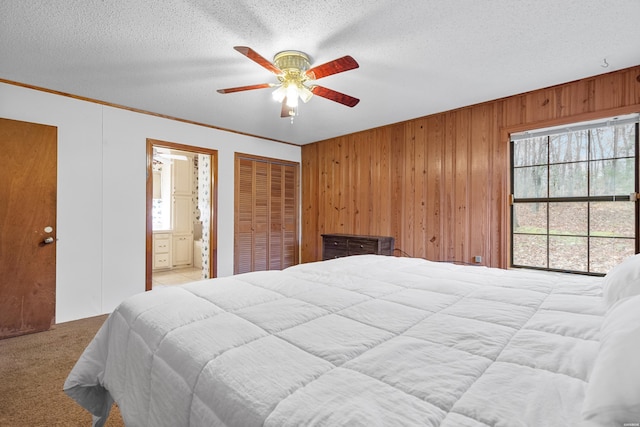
(173, 247)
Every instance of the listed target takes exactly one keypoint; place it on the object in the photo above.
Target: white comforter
(359, 341)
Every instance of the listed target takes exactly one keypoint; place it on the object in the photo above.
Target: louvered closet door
(290, 217)
(276, 243)
(247, 209)
(283, 221)
(266, 214)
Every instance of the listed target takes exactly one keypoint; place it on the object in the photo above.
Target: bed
(371, 340)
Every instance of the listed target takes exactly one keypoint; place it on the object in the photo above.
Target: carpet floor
(33, 369)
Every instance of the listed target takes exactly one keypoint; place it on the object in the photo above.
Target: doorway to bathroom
(181, 213)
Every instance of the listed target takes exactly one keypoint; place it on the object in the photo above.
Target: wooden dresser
(340, 245)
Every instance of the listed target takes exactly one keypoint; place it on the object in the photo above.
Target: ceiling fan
(293, 70)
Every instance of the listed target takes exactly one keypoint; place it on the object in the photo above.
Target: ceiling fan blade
(288, 112)
(285, 111)
(334, 95)
(242, 88)
(257, 58)
(339, 65)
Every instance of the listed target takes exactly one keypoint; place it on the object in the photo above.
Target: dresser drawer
(334, 247)
(340, 245)
(358, 246)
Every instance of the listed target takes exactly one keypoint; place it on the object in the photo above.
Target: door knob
(48, 240)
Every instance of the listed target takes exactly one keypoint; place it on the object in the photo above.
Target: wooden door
(276, 217)
(251, 219)
(266, 216)
(283, 211)
(28, 170)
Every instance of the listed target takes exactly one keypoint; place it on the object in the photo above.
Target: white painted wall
(102, 187)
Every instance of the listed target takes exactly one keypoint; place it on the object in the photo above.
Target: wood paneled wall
(440, 184)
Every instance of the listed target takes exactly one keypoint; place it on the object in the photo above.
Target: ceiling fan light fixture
(280, 94)
(305, 93)
(293, 65)
(292, 95)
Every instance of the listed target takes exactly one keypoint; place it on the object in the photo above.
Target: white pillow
(622, 281)
(613, 393)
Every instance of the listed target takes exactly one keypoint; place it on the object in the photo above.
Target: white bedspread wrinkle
(359, 341)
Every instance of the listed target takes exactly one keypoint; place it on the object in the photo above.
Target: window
(574, 196)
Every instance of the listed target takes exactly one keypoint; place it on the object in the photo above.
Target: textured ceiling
(416, 57)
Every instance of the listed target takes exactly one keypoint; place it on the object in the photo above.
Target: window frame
(547, 200)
